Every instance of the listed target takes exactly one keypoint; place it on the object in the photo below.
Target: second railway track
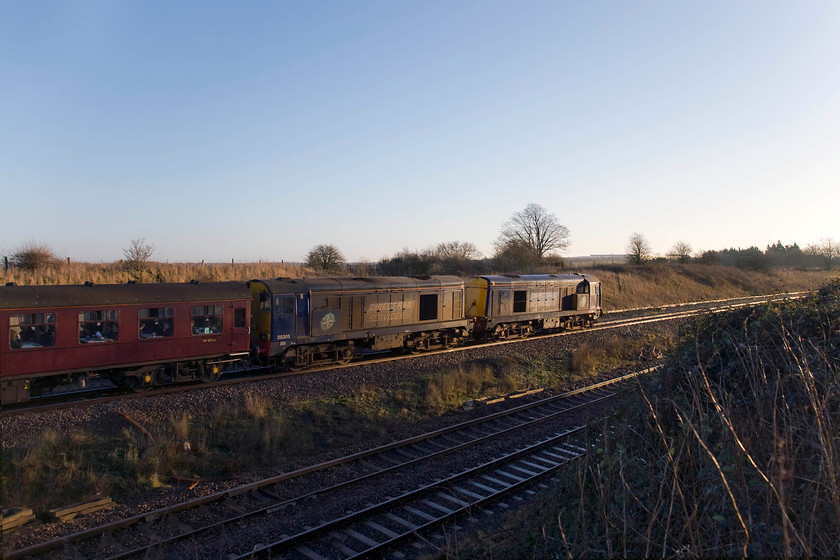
(302, 511)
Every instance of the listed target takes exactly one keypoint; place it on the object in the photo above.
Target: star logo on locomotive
(327, 321)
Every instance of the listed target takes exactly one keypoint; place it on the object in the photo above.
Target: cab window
(284, 305)
(31, 330)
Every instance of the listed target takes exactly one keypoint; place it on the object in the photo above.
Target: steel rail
(310, 534)
(218, 496)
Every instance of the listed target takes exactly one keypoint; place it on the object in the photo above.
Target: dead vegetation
(733, 451)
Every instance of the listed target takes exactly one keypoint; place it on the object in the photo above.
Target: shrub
(33, 256)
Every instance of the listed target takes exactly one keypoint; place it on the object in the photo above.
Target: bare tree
(455, 250)
(138, 254)
(681, 251)
(827, 250)
(514, 256)
(638, 249)
(33, 255)
(452, 257)
(535, 228)
(326, 258)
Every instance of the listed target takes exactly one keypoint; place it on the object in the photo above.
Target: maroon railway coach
(139, 335)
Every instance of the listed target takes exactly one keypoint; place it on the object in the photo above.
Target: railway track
(611, 320)
(315, 512)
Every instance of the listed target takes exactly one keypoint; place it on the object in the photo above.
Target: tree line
(532, 240)
(825, 254)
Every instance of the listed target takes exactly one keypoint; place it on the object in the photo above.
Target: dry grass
(618, 351)
(117, 273)
(733, 451)
(658, 284)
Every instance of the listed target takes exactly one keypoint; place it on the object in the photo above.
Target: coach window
(207, 319)
(520, 301)
(98, 326)
(239, 317)
(156, 322)
(31, 330)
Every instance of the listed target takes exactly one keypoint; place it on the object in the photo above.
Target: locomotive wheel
(344, 356)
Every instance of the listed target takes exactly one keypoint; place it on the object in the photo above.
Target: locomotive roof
(373, 283)
(27, 297)
(500, 280)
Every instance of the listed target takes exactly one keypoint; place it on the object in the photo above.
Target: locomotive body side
(139, 334)
(321, 320)
(509, 306)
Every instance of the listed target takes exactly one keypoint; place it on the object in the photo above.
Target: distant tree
(405, 263)
(827, 251)
(638, 249)
(33, 255)
(515, 256)
(137, 255)
(363, 269)
(326, 258)
(778, 255)
(709, 257)
(452, 257)
(681, 251)
(535, 228)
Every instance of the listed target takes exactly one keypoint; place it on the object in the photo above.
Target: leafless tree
(681, 251)
(515, 256)
(638, 249)
(455, 250)
(137, 255)
(451, 257)
(33, 255)
(827, 250)
(535, 228)
(326, 258)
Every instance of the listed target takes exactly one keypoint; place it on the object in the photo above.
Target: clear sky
(256, 130)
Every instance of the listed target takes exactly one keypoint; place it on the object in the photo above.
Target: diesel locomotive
(147, 335)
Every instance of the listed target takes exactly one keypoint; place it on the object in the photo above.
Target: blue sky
(257, 130)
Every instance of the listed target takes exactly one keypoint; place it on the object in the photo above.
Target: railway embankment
(732, 449)
(629, 286)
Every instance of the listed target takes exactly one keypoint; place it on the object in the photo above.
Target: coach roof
(89, 295)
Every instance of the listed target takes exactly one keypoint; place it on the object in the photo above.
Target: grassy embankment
(733, 450)
(255, 432)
